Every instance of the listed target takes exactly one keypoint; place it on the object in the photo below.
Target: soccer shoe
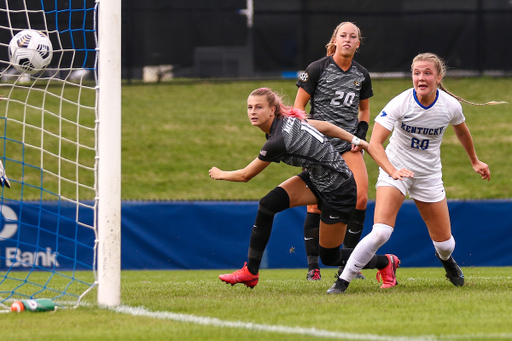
(338, 287)
(241, 276)
(314, 275)
(358, 276)
(388, 274)
(453, 271)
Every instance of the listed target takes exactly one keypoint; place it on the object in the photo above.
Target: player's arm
(378, 153)
(332, 130)
(464, 136)
(364, 118)
(364, 110)
(302, 99)
(240, 175)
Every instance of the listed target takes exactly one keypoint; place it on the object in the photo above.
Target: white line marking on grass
(140, 311)
(165, 315)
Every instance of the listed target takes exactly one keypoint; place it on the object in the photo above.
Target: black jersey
(299, 144)
(335, 94)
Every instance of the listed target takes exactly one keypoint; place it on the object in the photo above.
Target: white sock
(365, 250)
(445, 249)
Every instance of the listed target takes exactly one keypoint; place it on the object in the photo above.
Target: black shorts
(338, 205)
(346, 149)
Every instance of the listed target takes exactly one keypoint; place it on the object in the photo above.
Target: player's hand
(356, 149)
(4, 180)
(483, 169)
(363, 145)
(400, 174)
(215, 173)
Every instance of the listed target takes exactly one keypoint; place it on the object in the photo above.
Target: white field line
(165, 315)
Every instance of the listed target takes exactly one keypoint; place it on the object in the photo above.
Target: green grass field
(196, 305)
(174, 132)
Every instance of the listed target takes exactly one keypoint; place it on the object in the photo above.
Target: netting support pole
(109, 151)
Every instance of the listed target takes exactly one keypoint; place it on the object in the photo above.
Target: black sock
(377, 262)
(259, 239)
(275, 201)
(311, 237)
(381, 262)
(337, 256)
(334, 256)
(354, 229)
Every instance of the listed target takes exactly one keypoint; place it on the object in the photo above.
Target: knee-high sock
(354, 229)
(445, 249)
(365, 250)
(260, 236)
(336, 256)
(311, 230)
(275, 201)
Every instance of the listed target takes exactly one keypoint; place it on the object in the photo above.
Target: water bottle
(33, 305)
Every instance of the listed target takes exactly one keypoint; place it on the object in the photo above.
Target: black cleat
(338, 287)
(453, 271)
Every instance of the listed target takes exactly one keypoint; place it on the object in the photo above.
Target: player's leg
(437, 218)
(355, 162)
(332, 255)
(311, 227)
(388, 203)
(290, 193)
(355, 225)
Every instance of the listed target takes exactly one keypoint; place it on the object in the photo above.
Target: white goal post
(109, 147)
(60, 146)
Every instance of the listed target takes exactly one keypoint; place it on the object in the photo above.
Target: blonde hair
(274, 100)
(331, 47)
(440, 66)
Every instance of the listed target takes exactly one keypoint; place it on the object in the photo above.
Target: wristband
(362, 129)
(356, 140)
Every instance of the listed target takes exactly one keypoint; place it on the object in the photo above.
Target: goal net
(48, 146)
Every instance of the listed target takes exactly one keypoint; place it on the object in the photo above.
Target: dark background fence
(204, 38)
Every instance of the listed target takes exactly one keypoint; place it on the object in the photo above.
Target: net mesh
(48, 125)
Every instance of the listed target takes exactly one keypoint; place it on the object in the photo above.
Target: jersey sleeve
(387, 117)
(273, 150)
(366, 89)
(392, 111)
(458, 115)
(308, 80)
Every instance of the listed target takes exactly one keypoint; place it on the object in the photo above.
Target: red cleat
(241, 276)
(314, 275)
(388, 274)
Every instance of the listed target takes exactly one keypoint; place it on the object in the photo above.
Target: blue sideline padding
(215, 235)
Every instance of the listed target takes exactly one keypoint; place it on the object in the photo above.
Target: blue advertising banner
(215, 235)
(45, 235)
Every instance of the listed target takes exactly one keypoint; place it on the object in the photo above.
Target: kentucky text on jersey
(424, 131)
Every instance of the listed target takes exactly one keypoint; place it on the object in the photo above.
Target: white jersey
(418, 130)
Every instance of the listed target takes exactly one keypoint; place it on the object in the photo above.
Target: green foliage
(173, 133)
(424, 306)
